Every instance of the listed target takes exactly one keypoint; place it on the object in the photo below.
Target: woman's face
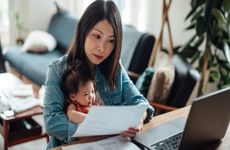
(99, 42)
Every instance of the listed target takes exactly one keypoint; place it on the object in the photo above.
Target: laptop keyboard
(171, 143)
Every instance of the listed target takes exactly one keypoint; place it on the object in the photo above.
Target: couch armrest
(162, 106)
(133, 74)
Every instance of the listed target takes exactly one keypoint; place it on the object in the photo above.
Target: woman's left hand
(131, 132)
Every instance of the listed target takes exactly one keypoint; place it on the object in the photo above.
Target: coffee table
(9, 81)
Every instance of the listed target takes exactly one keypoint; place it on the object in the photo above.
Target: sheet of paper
(113, 143)
(106, 120)
(117, 142)
(85, 146)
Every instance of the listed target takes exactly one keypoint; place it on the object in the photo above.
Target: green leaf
(208, 9)
(190, 13)
(226, 52)
(227, 81)
(188, 52)
(187, 44)
(199, 69)
(223, 64)
(192, 26)
(197, 14)
(226, 5)
(219, 16)
(225, 86)
(175, 50)
(214, 76)
(209, 35)
(200, 26)
(195, 57)
(194, 3)
(228, 25)
(199, 41)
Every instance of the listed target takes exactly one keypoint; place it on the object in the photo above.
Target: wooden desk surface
(224, 144)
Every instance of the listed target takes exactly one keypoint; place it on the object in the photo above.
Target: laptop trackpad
(157, 134)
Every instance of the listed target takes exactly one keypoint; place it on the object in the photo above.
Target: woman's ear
(72, 97)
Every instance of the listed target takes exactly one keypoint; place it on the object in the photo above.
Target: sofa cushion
(162, 80)
(63, 27)
(32, 65)
(144, 81)
(39, 42)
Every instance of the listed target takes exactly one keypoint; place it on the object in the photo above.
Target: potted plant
(19, 26)
(210, 20)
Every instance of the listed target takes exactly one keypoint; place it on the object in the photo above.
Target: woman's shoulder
(59, 61)
(58, 65)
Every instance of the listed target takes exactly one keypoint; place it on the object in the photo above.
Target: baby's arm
(74, 115)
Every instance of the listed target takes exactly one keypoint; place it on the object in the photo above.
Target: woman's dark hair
(95, 12)
(76, 74)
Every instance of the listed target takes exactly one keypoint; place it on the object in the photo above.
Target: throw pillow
(162, 80)
(143, 82)
(39, 42)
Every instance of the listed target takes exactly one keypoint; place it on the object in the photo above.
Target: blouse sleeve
(56, 122)
(132, 96)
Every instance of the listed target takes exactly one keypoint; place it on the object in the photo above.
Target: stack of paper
(23, 90)
(113, 143)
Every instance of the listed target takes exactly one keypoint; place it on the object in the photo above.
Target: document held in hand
(106, 120)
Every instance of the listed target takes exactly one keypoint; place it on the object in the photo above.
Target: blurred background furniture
(33, 66)
(186, 77)
(21, 127)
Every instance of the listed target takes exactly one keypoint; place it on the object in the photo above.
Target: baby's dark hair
(76, 74)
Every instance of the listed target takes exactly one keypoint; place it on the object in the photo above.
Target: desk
(8, 80)
(224, 144)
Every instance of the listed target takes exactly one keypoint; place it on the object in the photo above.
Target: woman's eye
(96, 36)
(111, 41)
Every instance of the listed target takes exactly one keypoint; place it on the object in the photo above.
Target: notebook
(207, 123)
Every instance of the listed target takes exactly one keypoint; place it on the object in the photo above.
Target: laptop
(207, 123)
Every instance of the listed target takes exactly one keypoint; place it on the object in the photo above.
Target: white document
(23, 90)
(113, 143)
(107, 120)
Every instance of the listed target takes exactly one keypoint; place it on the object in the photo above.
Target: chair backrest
(185, 80)
(143, 50)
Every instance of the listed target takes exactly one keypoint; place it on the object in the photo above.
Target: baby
(78, 85)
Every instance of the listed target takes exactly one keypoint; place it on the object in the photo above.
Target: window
(4, 22)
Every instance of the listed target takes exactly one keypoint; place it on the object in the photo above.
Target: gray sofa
(62, 26)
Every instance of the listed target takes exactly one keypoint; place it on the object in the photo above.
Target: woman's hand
(131, 132)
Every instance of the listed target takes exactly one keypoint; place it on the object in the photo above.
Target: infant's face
(86, 94)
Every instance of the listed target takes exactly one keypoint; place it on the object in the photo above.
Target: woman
(97, 41)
